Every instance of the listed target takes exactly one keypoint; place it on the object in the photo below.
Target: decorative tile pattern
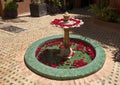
(12, 48)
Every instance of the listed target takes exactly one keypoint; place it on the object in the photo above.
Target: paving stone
(13, 70)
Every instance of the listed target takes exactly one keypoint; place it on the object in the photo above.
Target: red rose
(38, 50)
(61, 46)
(53, 65)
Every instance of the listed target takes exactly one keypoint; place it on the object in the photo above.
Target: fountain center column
(66, 38)
(66, 31)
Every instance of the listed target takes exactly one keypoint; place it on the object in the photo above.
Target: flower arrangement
(48, 54)
(72, 22)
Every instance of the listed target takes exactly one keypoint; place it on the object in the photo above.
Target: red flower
(53, 65)
(80, 46)
(46, 44)
(57, 42)
(45, 52)
(90, 52)
(38, 50)
(59, 22)
(62, 62)
(47, 63)
(72, 54)
(53, 43)
(61, 46)
(50, 43)
(76, 41)
(70, 44)
(92, 55)
(79, 63)
(89, 49)
(39, 59)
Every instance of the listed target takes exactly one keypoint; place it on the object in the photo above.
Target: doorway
(1, 8)
(69, 4)
(82, 3)
(86, 3)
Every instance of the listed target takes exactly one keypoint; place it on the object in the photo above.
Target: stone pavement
(13, 70)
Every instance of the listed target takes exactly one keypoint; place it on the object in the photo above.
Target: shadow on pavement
(105, 35)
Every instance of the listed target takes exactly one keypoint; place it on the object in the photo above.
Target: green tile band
(62, 74)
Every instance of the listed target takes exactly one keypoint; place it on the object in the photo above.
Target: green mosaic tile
(115, 84)
(110, 78)
(15, 79)
(118, 68)
(111, 72)
(22, 84)
(19, 81)
(5, 74)
(109, 82)
(31, 82)
(5, 64)
(9, 76)
(98, 82)
(26, 79)
(12, 77)
(10, 71)
(7, 81)
(34, 65)
(20, 76)
(103, 82)
(116, 80)
(4, 79)
(11, 83)
(13, 73)
(117, 71)
(116, 77)
(16, 74)
(23, 78)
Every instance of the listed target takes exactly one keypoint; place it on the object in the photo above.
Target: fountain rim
(64, 74)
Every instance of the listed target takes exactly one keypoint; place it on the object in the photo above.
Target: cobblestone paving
(13, 70)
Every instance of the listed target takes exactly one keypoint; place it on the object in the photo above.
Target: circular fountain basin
(43, 58)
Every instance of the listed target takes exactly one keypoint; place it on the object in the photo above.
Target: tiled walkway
(13, 70)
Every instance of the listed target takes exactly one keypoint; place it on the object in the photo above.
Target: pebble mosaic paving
(13, 70)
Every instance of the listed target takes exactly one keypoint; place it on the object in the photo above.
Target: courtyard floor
(13, 45)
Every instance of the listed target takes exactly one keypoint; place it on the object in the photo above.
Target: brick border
(61, 74)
